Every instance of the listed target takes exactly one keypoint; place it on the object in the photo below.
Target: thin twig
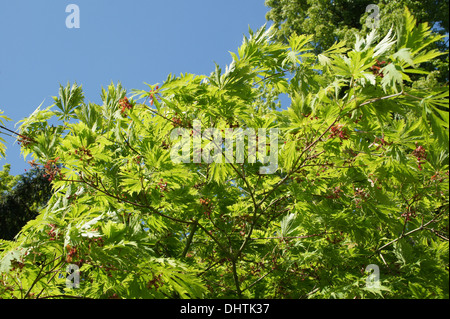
(381, 98)
(20, 135)
(294, 237)
(39, 277)
(104, 191)
(64, 296)
(256, 281)
(421, 227)
(189, 239)
(437, 233)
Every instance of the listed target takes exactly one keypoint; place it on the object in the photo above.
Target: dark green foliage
(23, 201)
(339, 20)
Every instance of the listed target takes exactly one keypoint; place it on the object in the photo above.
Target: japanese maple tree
(361, 178)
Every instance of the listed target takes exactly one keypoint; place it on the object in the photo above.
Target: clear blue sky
(132, 42)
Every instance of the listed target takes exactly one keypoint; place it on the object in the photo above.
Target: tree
(6, 180)
(360, 179)
(22, 197)
(330, 21)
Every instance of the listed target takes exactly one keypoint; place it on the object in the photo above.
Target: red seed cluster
(162, 186)
(380, 143)
(51, 169)
(33, 163)
(339, 131)
(207, 206)
(176, 122)
(138, 159)
(24, 141)
(52, 232)
(376, 69)
(409, 213)
(360, 196)
(17, 265)
(308, 115)
(83, 155)
(165, 145)
(156, 282)
(72, 253)
(125, 105)
(336, 193)
(421, 155)
(438, 176)
(152, 95)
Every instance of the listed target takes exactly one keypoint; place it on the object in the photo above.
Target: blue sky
(132, 42)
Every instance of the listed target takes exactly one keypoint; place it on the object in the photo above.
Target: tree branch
(189, 239)
(257, 280)
(403, 235)
(236, 278)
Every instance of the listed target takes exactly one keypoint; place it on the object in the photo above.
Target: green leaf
(289, 225)
(392, 77)
(68, 100)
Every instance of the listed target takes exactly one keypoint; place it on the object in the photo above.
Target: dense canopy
(361, 179)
